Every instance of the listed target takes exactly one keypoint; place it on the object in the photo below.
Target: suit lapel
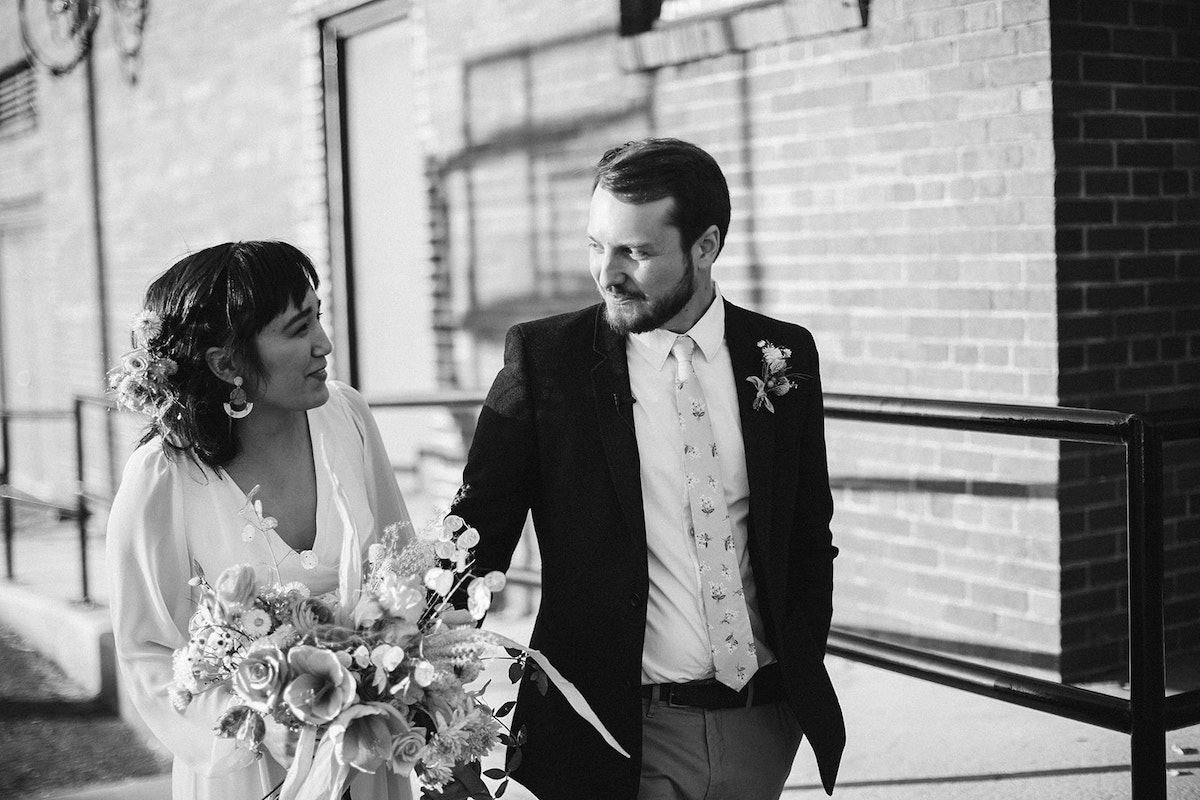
(757, 426)
(614, 416)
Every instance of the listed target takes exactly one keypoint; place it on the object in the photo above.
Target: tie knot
(683, 349)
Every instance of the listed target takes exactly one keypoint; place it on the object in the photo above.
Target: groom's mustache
(624, 294)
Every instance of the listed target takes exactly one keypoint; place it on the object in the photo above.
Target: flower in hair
(141, 381)
(147, 324)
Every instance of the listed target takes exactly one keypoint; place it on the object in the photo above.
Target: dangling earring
(238, 406)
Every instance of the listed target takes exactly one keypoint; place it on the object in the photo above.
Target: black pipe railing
(1144, 716)
(8, 496)
(1082, 705)
(80, 510)
(83, 498)
(1148, 713)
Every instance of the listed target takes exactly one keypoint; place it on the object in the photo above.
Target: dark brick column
(1126, 94)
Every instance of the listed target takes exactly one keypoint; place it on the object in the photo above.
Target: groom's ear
(707, 246)
(221, 363)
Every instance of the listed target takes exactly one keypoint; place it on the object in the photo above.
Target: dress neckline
(249, 506)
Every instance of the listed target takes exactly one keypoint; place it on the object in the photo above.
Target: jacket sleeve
(150, 600)
(501, 478)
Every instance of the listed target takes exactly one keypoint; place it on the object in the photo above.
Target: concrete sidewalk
(907, 739)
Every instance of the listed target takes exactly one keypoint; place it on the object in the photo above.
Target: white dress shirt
(677, 646)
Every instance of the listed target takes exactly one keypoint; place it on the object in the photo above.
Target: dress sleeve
(383, 495)
(151, 602)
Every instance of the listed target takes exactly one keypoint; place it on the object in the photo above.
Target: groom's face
(638, 261)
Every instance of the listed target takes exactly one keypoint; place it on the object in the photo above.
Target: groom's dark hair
(651, 169)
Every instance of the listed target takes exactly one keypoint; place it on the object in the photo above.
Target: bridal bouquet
(373, 679)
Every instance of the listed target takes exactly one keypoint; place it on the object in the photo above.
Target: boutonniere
(775, 380)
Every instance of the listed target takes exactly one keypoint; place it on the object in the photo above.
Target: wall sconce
(58, 35)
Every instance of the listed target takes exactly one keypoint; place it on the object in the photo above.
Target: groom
(671, 448)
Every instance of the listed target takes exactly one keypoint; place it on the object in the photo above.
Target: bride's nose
(321, 344)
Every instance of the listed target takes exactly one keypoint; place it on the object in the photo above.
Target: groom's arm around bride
(670, 446)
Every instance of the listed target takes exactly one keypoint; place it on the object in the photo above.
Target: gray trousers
(724, 754)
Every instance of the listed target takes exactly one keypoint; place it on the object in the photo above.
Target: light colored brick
(902, 209)
(986, 45)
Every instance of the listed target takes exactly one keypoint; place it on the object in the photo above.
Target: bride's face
(292, 348)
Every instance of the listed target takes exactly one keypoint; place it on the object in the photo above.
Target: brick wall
(892, 190)
(220, 138)
(1126, 129)
(49, 329)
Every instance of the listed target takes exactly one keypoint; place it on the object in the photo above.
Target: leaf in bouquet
(468, 775)
(507, 740)
(512, 760)
(514, 652)
(467, 785)
(515, 671)
(495, 773)
(504, 709)
(197, 569)
(501, 788)
(543, 683)
(522, 735)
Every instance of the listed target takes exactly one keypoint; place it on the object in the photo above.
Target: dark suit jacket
(556, 437)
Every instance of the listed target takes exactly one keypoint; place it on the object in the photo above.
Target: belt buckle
(667, 695)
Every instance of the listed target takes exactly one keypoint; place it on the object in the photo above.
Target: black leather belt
(765, 687)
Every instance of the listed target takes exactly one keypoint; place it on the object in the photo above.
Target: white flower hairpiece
(147, 324)
(141, 381)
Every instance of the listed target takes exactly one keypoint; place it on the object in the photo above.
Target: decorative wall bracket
(58, 33)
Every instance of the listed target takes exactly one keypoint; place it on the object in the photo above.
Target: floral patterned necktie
(721, 589)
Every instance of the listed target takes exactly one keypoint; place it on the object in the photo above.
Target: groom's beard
(639, 314)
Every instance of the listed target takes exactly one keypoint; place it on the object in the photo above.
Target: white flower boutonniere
(775, 380)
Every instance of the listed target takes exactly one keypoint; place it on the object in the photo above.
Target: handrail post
(6, 504)
(81, 500)
(1147, 673)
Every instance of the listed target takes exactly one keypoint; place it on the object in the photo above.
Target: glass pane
(392, 293)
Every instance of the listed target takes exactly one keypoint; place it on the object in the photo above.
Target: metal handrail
(1064, 700)
(80, 511)
(454, 398)
(1074, 424)
(7, 497)
(1146, 715)
(1142, 439)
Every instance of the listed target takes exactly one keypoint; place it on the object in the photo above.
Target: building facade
(988, 200)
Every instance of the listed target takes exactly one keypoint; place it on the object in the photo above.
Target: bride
(238, 465)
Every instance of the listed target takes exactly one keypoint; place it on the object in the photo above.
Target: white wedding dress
(169, 512)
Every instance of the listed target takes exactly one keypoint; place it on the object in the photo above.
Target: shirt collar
(708, 333)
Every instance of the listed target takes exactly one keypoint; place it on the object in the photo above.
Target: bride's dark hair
(222, 296)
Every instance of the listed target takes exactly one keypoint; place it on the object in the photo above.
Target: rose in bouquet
(378, 683)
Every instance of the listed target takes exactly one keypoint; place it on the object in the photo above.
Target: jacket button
(635, 599)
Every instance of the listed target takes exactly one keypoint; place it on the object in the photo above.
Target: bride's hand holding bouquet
(377, 683)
